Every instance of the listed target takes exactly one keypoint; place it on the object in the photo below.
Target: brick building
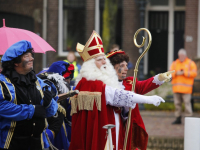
(173, 24)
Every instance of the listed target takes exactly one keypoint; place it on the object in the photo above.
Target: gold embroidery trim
(85, 101)
(53, 133)
(15, 100)
(2, 91)
(130, 81)
(64, 129)
(8, 91)
(41, 92)
(46, 123)
(62, 110)
(10, 134)
(13, 123)
(42, 142)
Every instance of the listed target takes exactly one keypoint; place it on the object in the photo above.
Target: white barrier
(192, 133)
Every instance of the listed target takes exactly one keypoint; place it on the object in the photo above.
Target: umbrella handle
(4, 23)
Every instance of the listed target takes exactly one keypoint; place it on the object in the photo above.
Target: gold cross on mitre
(92, 48)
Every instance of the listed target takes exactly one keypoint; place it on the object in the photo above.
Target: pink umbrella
(9, 36)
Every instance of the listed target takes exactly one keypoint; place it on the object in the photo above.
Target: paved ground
(158, 123)
(162, 134)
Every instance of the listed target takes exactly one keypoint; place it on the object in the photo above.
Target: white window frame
(170, 8)
(60, 31)
(198, 28)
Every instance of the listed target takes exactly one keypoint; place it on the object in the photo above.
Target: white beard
(107, 75)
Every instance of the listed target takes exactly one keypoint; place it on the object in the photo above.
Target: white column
(60, 26)
(97, 17)
(44, 31)
(192, 133)
(171, 34)
(64, 29)
(198, 36)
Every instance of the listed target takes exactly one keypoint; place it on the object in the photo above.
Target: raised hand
(166, 77)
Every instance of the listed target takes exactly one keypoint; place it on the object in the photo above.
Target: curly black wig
(118, 58)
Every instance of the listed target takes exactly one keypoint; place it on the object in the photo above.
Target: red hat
(114, 53)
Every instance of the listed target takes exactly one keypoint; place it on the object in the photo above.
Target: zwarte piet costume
(22, 101)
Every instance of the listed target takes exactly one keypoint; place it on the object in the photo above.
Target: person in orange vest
(182, 83)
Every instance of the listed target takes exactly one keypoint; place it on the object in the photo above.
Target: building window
(159, 2)
(180, 2)
(73, 24)
(17, 21)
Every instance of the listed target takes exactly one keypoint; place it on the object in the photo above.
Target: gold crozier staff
(135, 75)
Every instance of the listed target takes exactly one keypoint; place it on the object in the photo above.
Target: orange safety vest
(183, 83)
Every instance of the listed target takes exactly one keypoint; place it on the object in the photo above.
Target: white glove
(165, 76)
(126, 99)
(155, 100)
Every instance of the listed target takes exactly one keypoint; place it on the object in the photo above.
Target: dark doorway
(158, 26)
(17, 21)
(179, 25)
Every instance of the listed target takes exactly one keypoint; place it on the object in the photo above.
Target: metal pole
(44, 31)
(198, 43)
(109, 127)
(110, 139)
(60, 27)
(97, 17)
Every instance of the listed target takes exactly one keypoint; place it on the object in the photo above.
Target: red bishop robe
(87, 132)
(138, 137)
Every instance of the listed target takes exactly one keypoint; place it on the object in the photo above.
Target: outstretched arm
(145, 86)
(121, 98)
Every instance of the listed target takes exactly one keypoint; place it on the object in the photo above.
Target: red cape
(87, 132)
(138, 137)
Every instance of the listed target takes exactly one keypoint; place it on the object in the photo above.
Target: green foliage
(163, 106)
(109, 23)
(197, 107)
(169, 107)
(152, 73)
(163, 91)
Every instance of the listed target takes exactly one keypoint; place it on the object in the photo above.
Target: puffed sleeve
(13, 111)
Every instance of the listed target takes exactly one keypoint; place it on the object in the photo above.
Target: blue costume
(18, 111)
(61, 138)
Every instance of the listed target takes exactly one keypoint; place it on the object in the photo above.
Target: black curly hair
(118, 58)
(10, 65)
